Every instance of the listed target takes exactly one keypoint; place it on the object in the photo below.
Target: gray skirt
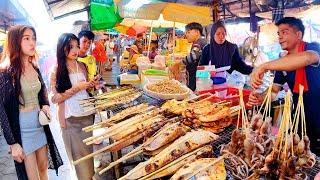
(73, 136)
(32, 133)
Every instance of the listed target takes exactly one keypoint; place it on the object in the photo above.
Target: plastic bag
(236, 79)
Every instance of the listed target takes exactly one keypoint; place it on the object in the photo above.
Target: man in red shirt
(99, 52)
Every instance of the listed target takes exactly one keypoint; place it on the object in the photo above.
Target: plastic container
(203, 84)
(151, 75)
(218, 80)
(129, 79)
(229, 94)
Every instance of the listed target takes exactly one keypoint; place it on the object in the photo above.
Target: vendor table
(224, 138)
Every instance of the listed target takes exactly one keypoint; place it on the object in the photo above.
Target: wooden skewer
(113, 132)
(97, 152)
(129, 122)
(205, 99)
(133, 153)
(197, 97)
(105, 95)
(126, 157)
(114, 146)
(109, 122)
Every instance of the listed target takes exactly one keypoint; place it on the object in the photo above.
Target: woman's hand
(46, 109)
(83, 85)
(17, 152)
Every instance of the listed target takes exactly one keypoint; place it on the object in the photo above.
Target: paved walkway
(7, 170)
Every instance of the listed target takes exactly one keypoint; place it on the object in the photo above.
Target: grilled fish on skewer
(181, 146)
(171, 168)
(139, 126)
(106, 95)
(119, 116)
(166, 135)
(103, 104)
(122, 125)
(132, 138)
(123, 131)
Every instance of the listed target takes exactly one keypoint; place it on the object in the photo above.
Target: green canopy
(103, 16)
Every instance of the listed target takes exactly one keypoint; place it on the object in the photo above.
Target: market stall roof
(240, 8)
(12, 13)
(61, 8)
(175, 12)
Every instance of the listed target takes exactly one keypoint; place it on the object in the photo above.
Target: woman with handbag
(23, 95)
(69, 84)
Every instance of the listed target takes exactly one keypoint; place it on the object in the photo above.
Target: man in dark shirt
(300, 66)
(193, 32)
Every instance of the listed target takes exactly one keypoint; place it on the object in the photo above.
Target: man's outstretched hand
(257, 76)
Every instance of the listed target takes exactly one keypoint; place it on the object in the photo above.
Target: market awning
(61, 8)
(103, 16)
(171, 12)
(159, 23)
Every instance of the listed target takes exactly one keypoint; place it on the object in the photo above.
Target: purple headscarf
(220, 54)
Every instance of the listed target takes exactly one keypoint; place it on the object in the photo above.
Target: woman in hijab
(221, 52)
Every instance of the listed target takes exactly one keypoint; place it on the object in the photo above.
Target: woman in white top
(69, 84)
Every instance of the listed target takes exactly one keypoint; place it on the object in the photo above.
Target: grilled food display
(175, 138)
(174, 166)
(185, 144)
(205, 168)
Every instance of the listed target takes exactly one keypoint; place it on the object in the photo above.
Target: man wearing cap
(133, 56)
(193, 32)
(139, 43)
(131, 63)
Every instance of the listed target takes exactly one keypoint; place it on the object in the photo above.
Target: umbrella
(160, 22)
(121, 29)
(135, 30)
(103, 16)
(171, 12)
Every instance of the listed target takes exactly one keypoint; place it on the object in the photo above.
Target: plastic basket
(229, 94)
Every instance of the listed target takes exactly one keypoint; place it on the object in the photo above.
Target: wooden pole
(149, 44)
(215, 9)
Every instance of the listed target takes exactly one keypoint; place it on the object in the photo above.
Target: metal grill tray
(224, 136)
